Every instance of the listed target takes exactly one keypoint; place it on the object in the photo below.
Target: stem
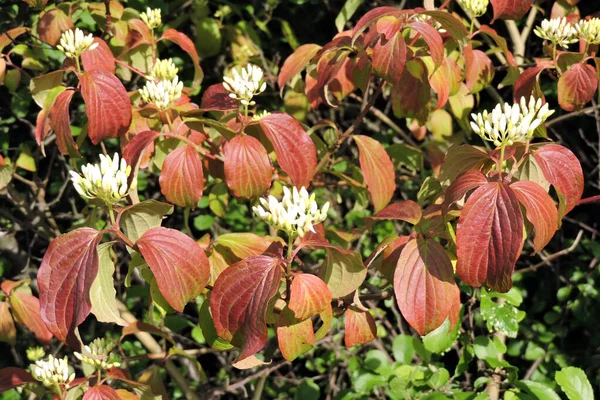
(186, 222)
(501, 161)
(169, 122)
(288, 266)
(472, 26)
(188, 141)
(111, 213)
(78, 64)
(260, 386)
(553, 51)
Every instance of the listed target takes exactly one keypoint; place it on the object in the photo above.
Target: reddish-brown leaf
(248, 169)
(510, 9)
(26, 310)
(460, 158)
(188, 46)
(101, 58)
(406, 210)
(60, 121)
(10, 35)
(240, 298)
(12, 377)
(445, 81)
(433, 40)
(562, 169)
(541, 211)
(53, 24)
(528, 83)
(66, 274)
(577, 86)
(136, 146)
(294, 336)
(390, 256)
(377, 169)
(101, 392)
(424, 284)
(179, 265)
(246, 244)
(296, 62)
(106, 104)
(359, 326)
(500, 41)
(479, 69)
(295, 150)
(216, 98)
(8, 332)
(489, 237)
(309, 296)
(389, 58)
(410, 97)
(373, 16)
(182, 178)
(464, 183)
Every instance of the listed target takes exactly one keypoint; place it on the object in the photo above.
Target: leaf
(424, 285)
(188, 46)
(295, 337)
(562, 169)
(389, 58)
(239, 301)
(531, 171)
(309, 296)
(8, 332)
(102, 292)
(577, 86)
(479, 71)
(179, 265)
(65, 277)
(347, 11)
(359, 326)
(107, 105)
(216, 98)
(60, 121)
(248, 170)
(101, 392)
(246, 244)
(510, 9)
(433, 40)
(445, 81)
(528, 83)
(410, 97)
(100, 58)
(500, 41)
(449, 22)
(537, 389)
(377, 169)
(26, 311)
(136, 146)
(343, 272)
(41, 86)
(442, 338)
(12, 377)
(52, 25)
(372, 16)
(182, 178)
(406, 210)
(463, 184)
(295, 150)
(460, 158)
(574, 383)
(541, 211)
(296, 62)
(501, 317)
(489, 237)
(141, 217)
(11, 35)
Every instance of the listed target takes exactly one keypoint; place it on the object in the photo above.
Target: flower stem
(111, 213)
(78, 64)
(501, 161)
(169, 122)
(288, 266)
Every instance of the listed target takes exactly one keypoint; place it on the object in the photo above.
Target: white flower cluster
(558, 31)
(164, 70)
(35, 353)
(162, 93)
(475, 8)
(246, 85)
(589, 30)
(296, 214)
(107, 181)
(509, 124)
(260, 115)
(152, 17)
(96, 354)
(54, 371)
(73, 43)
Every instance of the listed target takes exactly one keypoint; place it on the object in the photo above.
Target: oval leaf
(433, 40)
(295, 337)
(52, 25)
(103, 293)
(188, 46)
(359, 327)
(136, 146)
(577, 86)
(101, 392)
(26, 310)
(216, 98)
(406, 210)
(389, 57)
(8, 332)
(343, 272)
(60, 121)
(378, 170)
(296, 62)
(12, 377)
(510, 9)
(100, 58)
(479, 70)
(309, 296)
(248, 169)
(182, 178)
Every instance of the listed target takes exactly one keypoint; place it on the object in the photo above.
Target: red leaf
(101, 58)
(389, 58)
(52, 25)
(12, 377)
(500, 41)
(510, 9)
(410, 97)
(296, 152)
(8, 332)
(101, 392)
(464, 183)
(294, 337)
(479, 69)
(60, 120)
(406, 210)
(179, 265)
(433, 40)
(445, 81)
(188, 46)
(390, 256)
(359, 326)
(489, 237)
(68, 270)
(424, 285)
(26, 310)
(378, 170)
(528, 85)
(374, 15)
(248, 169)
(562, 169)
(296, 62)
(577, 86)
(216, 98)
(240, 298)
(309, 296)
(182, 179)
(107, 105)
(136, 146)
(541, 211)
(8, 286)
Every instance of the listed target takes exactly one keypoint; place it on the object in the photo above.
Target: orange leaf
(406, 210)
(309, 296)
(53, 24)
(359, 326)
(26, 310)
(182, 178)
(101, 58)
(8, 332)
(389, 57)
(12, 377)
(296, 62)
(479, 69)
(378, 170)
(101, 392)
(60, 120)
(294, 336)
(577, 86)
(248, 169)
(188, 46)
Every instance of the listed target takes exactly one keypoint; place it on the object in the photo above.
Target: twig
(554, 256)
(587, 200)
(572, 114)
(239, 384)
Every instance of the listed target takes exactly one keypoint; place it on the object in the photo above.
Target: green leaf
(308, 390)
(218, 198)
(403, 349)
(378, 362)
(574, 383)
(203, 222)
(430, 190)
(288, 34)
(5, 175)
(439, 378)
(366, 382)
(440, 340)
(346, 13)
(103, 293)
(501, 317)
(26, 160)
(142, 217)
(538, 390)
(208, 36)
(406, 156)
(40, 86)
(343, 273)
(487, 350)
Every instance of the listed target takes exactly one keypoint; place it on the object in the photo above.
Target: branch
(573, 114)
(554, 256)
(237, 385)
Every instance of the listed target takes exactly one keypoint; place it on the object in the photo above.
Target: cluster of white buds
(73, 43)
(475, 8)
(162, 93)
(97, 353)
(35, 353)
(152, 18)
(260, 115)
(557, 30)
(296, 214)
(106, 181)
(508, 124)
(164, 70)
(54, 371)
(246, 85)
(589, 30)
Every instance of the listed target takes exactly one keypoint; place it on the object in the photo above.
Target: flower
(163, 93)
(73, 43)
(245, 86)
(35, 353)
(54, 371)
(296, 214)
(508, 124)
(589, 30)
(260, 115)
(152, 17)
(164, 70)
(106, 181)
(558, 31)
(96, 354)
(475, 8)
